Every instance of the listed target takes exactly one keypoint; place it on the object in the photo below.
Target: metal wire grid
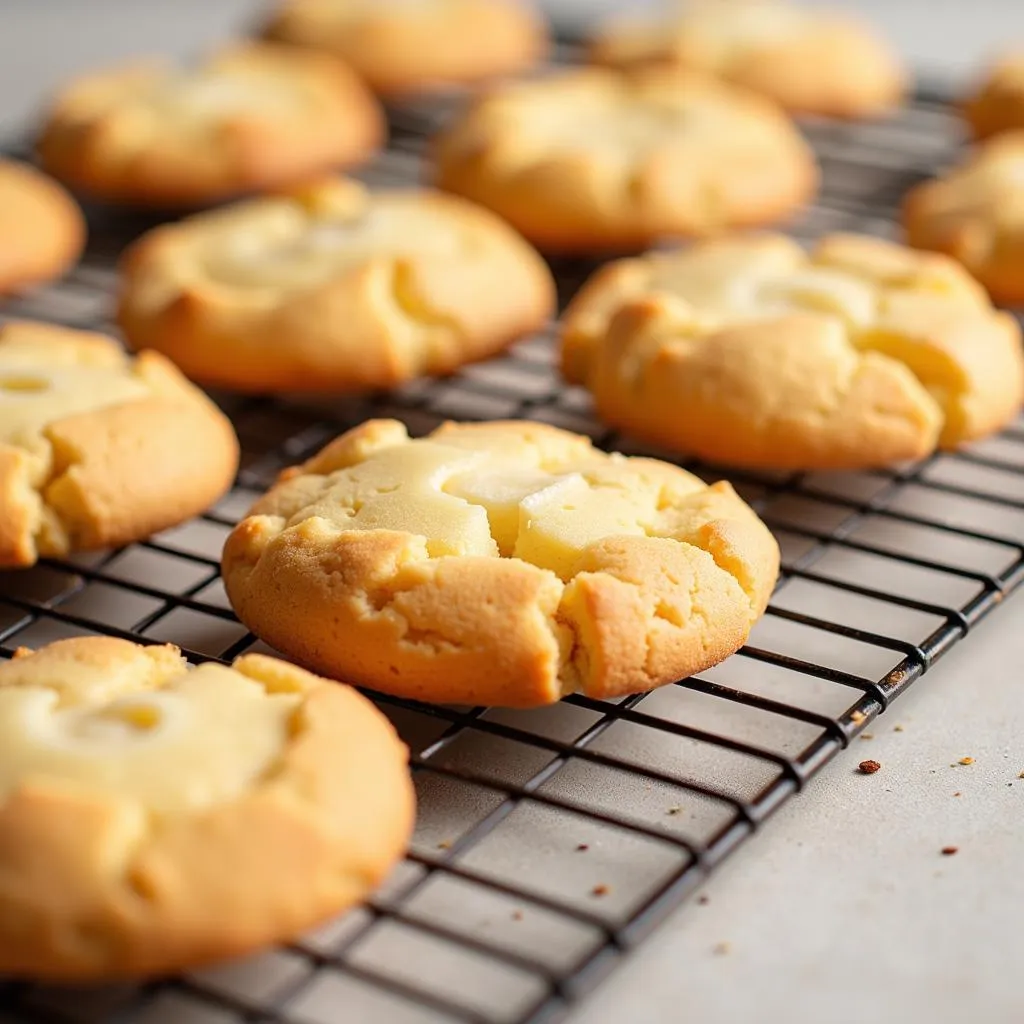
(550, 842)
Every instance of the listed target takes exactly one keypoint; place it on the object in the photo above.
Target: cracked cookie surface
(249, 117)
(810, 61)
(413, 46)
(750, 351)
(98, 449)
(975, 213)
(154, 818)
(597, 160)
(42, 231)
(332, 287)
(504, 563)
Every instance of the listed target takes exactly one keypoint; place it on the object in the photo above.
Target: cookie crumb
(600, 890)
(957, 793)
(674, 810)
(703, 900)
(1021, 776)
(897, 728)
(867, 735)
(857, 717)
(868, 767)
(966, 760)
(582, 847)
(948, 851)
(721, 948)
(517, 915)
(444, 844)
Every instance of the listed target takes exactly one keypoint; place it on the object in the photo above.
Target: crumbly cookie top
(135, 723)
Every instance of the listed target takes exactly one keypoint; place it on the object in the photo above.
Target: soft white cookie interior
(169, 740)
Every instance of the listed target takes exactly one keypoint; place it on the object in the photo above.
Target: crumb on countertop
(674, 810)
(957, 793)
(600, 890)
(444, 844)
(868, 767)
(966, 760)
(867, 735)
(721, 948)
(897, 728)
(517, 915)
(948, 851)
(582, 847)
(703, 900)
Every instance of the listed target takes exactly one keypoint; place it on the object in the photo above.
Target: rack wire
(550, 842)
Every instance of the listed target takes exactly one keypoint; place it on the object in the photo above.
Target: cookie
(810, 61)
(748, 351)
(332, 288)
(504, 563)
(96, 448)
(417, 45)
(997, 104)
(593, 160)
(249, 117)
(154, 818)
(42, 231)
(975, 213)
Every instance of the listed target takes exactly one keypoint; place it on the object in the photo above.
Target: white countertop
(843, 909)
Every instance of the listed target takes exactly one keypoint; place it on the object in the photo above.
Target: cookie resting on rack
(154, 818)
(249, 117)
(997, 104)
(810, 61)
(506, 563)
(750, 351)
(975, 213)
(42, 231)
(332, 288)
(420, 46)
(593, 160)
(98, 449)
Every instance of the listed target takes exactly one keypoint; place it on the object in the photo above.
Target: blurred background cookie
(156, 818)
(748, 351)
(413, 46)
(594, 160)
(42, 231)
(997, 102)
(332, 288)
(975, 212)
(249, 117)
(96, 448)
(504, 563)
(811, 61)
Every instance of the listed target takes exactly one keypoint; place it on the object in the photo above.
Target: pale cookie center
(205, 95)
(312, 251)
(467, 502)
(201, 740)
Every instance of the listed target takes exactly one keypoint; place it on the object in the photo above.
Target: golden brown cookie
(414, 46)
(332, 288)
(594, 160)
(811, 61)
(504, 563)
(975, 212)
(748, 351)
(96, 448)
(154, 818)
(249, 117)
(997, 103)
(42, 231)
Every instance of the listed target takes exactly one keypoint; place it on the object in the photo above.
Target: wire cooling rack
(549, 842)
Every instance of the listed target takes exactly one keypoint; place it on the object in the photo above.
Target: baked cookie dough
(749, 351)
(154, 818)
(596, 160)
(975, 213)
(505, 563)
(811, 61)
(997, 105)
(42, 231)
(332, 288)
(249, 117)
(96, 448)
(409, 46)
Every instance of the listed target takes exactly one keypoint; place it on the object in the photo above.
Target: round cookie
(810, 61)
(504, 563)
(409, 46)
(249, 117)
(154, 818)
(997, 104)
(98, 449)
(975, 213)
(748, 351)
(332, 288)
(42, 231)
(594, 160)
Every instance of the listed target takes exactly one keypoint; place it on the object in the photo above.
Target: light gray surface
(844, 910)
